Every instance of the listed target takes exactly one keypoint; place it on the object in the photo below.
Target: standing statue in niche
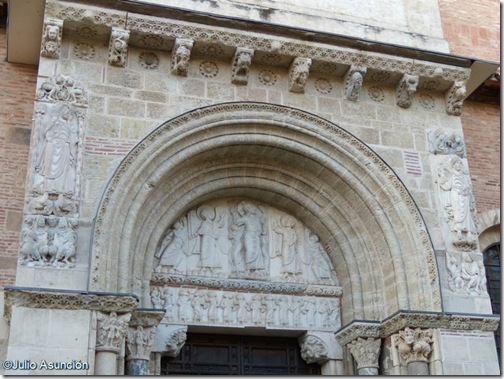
(57, 161)
(291, 265)
(457, 199)
(248, 252)
(172, 249)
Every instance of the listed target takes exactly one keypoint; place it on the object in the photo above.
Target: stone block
(454, 348)
(358, 110)
(29, 327)
(245, 93)
(191, 87)
(329, 105)
(397, 139)
(69, 329)
(103, 126)
(220, 91)
(101, 89)
(96, 104)
(123, 107)
(124, 77)
(483, 349)
(301, 101)
(75, 279)
(84, 71)
(157, 97)
(14, 221)
(388, 114)
(136, 129)
(162, 83)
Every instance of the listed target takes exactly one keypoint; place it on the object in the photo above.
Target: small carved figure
(64, 244)
(470, 273)
(226, 304)
(455, 98)
(111, 330)
(156, 300)
(318, 259)
(51, 39)
(257, 310)
(298, 74)
(353, 82)
(241, 65)
(118, 47)
(295, 309)
(241, 309)
(291, 266)
(271, 309)
(283, 310)
(172, 249)
(184, 303)
(199, 306)
(405, 89)
(180, 57)
(455, 273)
(212, 303)
(209, 232)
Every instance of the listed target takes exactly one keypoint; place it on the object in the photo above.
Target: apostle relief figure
(318, 261)
(249, 253)
(291, 262)
(456, 196)
(172, 250)
(58, 159)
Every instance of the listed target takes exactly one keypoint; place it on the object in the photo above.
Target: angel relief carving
(241, 239)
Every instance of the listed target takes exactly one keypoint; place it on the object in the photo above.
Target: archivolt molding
(165, 156)
(488, 225)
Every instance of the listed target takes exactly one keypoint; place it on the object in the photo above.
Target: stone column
(366, 352)
(324, 349)
(111, 331)
(414, 347)
(139, 340)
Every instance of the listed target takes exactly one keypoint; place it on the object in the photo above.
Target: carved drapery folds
(51, 213)
(414, 345)
(446, 143)
(454, 98)
(181, 54)
(466, 273)
(353, 80)
(241, 239)
(51, 38)
(118, 47)
(111, 331)
(139, 342)
(298, 74)
(405, 89)
(241, 65)
(457, 201)
(365, 352)
(313, 349)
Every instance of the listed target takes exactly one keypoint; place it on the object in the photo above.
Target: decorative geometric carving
(405, 90)
(149, 61)
(51, 38)
(175, 341)
(414, 345)
(358, 330)
(48, 241)
(181, 54)
(455, 191)
(454, 98)
(376, 94)
(365, 351)
(208, 69)
(118, 47)
(353, 82)
(139, 342)
(323, 86)
(442, 142)
(268, 78)
(466, 273)
(313, 349)
(241, 65)
(84, 50)
(111, 331)
(202, 307)
(62, 88)
(298, 74)
(427, 101)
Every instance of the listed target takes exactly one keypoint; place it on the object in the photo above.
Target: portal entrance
(211, 354)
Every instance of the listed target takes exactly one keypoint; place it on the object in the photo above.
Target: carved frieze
(139, 342)
(356, 330)
(241, 65)
(181, 54)
(61, 88)
(313, 349)
(298, 74)
(200, 306)
(466, 273)
(365, 351)
(111, 331)
(405, 89)
(353, 80)
(118, 47)
(48, 241)
(446, 143)
(51, 38)
(456, 197)
(414, 345)
(240, 239)
(454, 98)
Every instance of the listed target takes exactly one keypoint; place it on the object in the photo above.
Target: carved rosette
(175, 341)
(298, 74)
(454, 98)
(139, 342)
(405, 89)
(181, 54)
(51, 38)
(241, 65)
(313, 349)
(118, 47)
(445, 143)
(353, 80)
(365, 351)
(111, 331)
(414, 345)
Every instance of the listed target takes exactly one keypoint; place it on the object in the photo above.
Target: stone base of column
(332, 367)
(137, 367)
(367, 371)
(106, 363)
(418, 368)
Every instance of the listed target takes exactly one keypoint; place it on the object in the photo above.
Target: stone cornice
(66, 299)
(412, 319)
(147, 317)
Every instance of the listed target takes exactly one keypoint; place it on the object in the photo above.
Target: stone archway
(298, 162)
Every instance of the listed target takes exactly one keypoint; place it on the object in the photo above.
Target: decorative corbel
(118, 47)
(454, 98)
(51, 38)
(405, 89)
(181, 54)
(241, 65)
(354, 78)
(298, 74)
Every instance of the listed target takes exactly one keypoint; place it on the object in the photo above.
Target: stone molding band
(401, 320)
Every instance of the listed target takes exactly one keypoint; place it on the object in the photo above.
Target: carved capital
(353, 80)
(313, 349)
(358, 329)
(365, 351)
(454, 98)
(139, 341)
(298, 74)
(118, 47)
(241, 65)
(51, 38)
(181, 54)
(405, 89)
(111, 331)
(446, 143)
(414, 345)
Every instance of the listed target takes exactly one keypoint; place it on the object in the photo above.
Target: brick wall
(16, 108)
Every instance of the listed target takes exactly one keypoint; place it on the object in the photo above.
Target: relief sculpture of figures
(458, 202)
(171, 251)
(466, 273)
(318, 260)
(51, 38)
(57, 160)
(291, 264)
(248, 251)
